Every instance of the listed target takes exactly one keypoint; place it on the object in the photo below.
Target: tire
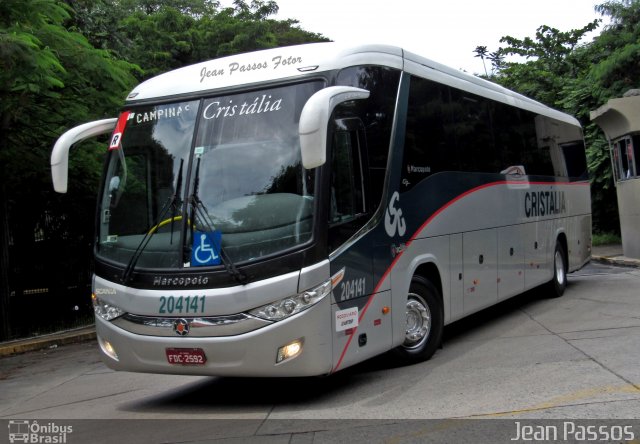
(558, 283)
(425, 322)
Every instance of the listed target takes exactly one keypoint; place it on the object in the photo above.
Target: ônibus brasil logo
(33, 432)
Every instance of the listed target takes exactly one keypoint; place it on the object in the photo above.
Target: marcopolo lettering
(418, 169)
(544, 203)
(179, 281)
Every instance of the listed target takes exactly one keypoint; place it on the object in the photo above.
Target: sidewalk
(52, 340)
(608, 254)
(612, 254)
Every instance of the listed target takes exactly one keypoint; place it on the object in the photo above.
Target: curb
(47, 341)
(620, 261)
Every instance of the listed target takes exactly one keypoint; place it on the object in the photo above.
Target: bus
(295, 211)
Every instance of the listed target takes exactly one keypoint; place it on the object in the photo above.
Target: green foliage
(63, 63)
(49, 78)
(66, 62)
(549, 60)
(599, 239)
(166, 34)
(558, 69)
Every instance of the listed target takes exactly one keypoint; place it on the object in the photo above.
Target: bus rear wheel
(424, 322)
(559, 281)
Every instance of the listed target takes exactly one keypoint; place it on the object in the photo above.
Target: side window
(474, 131)
(429, 134)
(635, 153)
(631, 162)
(615, 155)
(625, 153)
(347, 179)
(575, 159)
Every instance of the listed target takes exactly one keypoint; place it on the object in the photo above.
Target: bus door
(358, 332)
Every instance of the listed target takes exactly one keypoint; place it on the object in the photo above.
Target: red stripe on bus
(422, 227)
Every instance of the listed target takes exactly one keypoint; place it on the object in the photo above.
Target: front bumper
(248, 354)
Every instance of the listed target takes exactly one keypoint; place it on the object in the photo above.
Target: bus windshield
(228, 167)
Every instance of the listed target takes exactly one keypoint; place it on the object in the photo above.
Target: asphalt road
(530, 358)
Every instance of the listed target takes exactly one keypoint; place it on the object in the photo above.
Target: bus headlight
(282, 309)
(105, 310)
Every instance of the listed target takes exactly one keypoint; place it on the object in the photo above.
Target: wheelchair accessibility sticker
(206, 248)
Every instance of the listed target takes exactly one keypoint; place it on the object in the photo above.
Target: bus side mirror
(60, 153)
(314, 121)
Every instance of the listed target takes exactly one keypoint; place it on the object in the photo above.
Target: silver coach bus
(295, 211)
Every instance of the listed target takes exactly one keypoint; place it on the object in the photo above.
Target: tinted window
(430, 131)
(474, 131)
(453, 130)
(575, 160)
(376, 113)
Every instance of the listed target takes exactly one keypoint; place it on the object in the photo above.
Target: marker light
(105, 310)
(289, 351)
(282, 309)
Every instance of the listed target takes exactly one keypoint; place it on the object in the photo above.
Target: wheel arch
(561, 238)
(430, 272)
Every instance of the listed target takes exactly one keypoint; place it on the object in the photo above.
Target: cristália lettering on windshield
(260, 105)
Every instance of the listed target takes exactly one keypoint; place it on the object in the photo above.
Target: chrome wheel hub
(418, 321)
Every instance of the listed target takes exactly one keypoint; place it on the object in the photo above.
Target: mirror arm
(314, 121)
(60, 153)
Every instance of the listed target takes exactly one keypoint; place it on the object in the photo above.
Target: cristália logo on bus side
(393, 220)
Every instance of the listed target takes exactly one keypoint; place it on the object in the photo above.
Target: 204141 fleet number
(181, 305)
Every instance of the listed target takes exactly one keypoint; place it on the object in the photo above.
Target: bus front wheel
(424, 322)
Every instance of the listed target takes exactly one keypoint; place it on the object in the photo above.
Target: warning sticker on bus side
(347, 318)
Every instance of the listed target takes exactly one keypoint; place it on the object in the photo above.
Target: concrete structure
(620, 121)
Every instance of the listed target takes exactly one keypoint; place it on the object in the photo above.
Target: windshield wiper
(199, 214)
(172, 204)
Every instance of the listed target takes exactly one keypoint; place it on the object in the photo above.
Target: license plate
(186, 356)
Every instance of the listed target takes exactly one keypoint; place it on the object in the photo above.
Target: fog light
(107, 348)
(289, 351)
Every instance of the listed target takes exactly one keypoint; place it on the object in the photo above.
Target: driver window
(347, 190)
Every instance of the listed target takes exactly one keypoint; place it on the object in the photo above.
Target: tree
(615, 53)
(160, 35)
(65, 62)
(549, 61)
(50, 78)
(561, 71)
(483, 53)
